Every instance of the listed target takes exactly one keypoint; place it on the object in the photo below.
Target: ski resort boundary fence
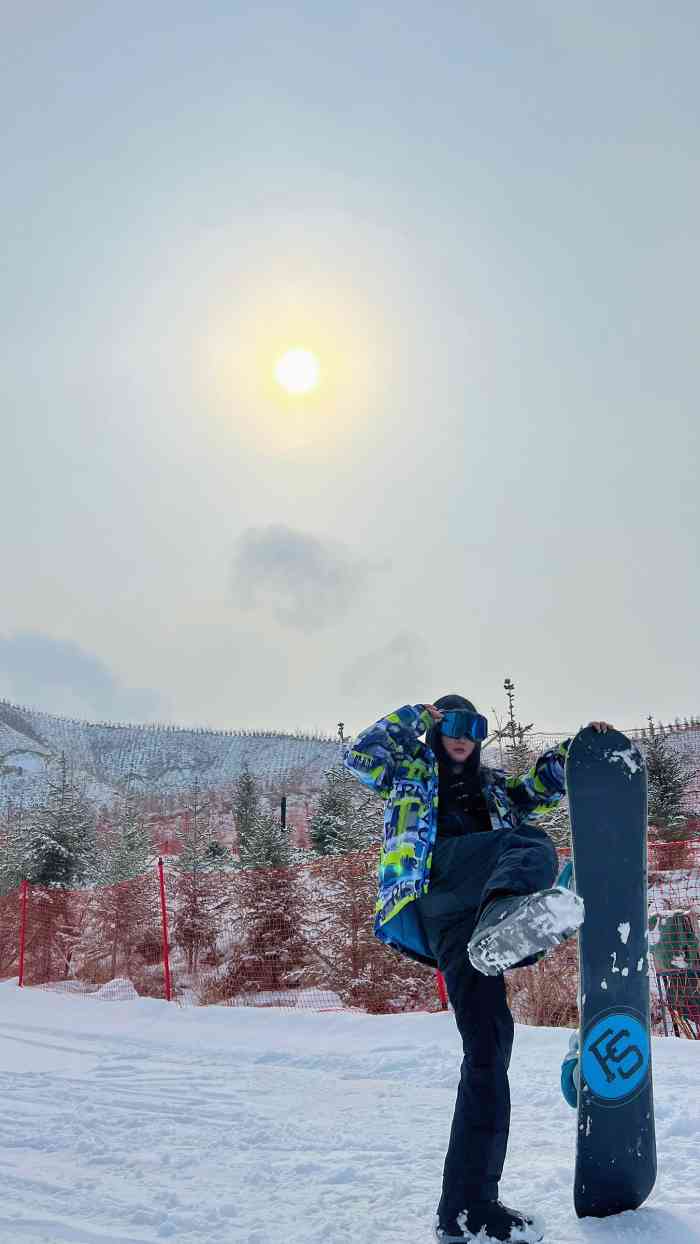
(302, 937)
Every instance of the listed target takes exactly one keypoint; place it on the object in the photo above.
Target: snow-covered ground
(137, 1121)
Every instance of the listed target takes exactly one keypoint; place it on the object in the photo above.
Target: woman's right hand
(435, 713)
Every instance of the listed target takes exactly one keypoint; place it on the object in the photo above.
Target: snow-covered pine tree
(198, 889)
(194, 834)
(12, 844)
(345, 817)
(262, 840)
(58, 855)
(266, 844)
(271, 952)
(669, 775)
(343, 954)
(246, 808)
(59, 850)
(124, 904)
(340, 922)
(125, 849)
(557, 824)
(518, 755)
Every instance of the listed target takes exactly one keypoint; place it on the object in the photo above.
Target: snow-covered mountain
(162, 759)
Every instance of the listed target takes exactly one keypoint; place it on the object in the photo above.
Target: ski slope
(138, 1121)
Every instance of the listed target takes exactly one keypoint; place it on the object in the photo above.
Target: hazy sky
(484, 219)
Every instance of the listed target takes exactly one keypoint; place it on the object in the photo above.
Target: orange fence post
(22, 928)
(442, 989)
(164, 921)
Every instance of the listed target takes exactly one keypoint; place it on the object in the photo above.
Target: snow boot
(486, 1221)
(570, 1075)
(513, 928)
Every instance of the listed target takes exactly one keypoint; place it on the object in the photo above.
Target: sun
(297, 371)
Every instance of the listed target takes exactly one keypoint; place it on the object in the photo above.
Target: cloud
(304, 582)
(398, 671)
(58, 676)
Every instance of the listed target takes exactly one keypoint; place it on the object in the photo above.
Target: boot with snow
(513, 928)
(570, 1074)
(486, 1221)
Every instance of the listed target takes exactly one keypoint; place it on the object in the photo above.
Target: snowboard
(615, 1142)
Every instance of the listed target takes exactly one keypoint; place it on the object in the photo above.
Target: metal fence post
(442, 990)
(22, 928)
(164, 924)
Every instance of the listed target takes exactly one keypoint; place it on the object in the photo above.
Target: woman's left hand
(601, 726)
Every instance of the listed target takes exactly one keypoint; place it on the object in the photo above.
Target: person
(466, 884)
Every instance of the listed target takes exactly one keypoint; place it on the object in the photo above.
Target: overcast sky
(484, 219)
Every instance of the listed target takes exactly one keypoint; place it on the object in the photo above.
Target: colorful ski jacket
(391, 760)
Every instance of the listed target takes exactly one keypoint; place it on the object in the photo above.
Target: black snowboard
(616, 1147)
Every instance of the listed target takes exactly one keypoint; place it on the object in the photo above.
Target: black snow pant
(466, 873)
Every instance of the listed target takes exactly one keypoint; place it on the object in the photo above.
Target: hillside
(163, 760)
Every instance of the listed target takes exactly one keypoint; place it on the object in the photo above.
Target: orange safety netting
(82, 941)
(302, 937)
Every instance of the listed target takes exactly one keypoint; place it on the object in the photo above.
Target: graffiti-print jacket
(391, 760)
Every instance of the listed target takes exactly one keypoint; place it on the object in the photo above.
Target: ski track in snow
(138, 1122)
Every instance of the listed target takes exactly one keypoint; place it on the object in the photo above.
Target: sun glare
(297, 371)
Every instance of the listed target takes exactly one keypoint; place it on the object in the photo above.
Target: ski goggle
(461, 723)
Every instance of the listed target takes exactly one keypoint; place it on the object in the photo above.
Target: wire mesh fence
(302, 937)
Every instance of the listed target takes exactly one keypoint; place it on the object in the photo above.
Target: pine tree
(58, 855)
(125, 849)
(12, 844)
(341, 924)
(60, 849)
(262, 840)
(345, 817)
(266, 844)
(123, 903)
(518, 755)
(197, 888)
(272, 952)
(557, 823)
(195, 833)
(343, 954)
(246, 807)
(669, 775)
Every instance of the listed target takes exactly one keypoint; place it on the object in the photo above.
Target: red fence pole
(442, 989)
(22, 927)
(164, 921)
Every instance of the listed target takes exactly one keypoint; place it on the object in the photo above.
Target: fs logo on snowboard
(615, 1059)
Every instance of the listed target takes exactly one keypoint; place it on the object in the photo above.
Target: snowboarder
(466, 883)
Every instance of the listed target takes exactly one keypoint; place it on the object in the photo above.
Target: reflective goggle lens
(460, 723)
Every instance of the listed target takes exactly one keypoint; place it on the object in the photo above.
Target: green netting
(674, 940)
